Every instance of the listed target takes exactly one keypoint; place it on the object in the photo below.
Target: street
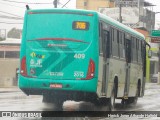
(82, 50)
(18, 101)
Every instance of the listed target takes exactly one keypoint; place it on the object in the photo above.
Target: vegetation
(14, 33)
(2, 38)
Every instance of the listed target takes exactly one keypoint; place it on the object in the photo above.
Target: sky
(156, 8)
(18, 9)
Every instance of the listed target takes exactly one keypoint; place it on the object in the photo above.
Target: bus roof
(60, 10)
(121, 26)
(89, 12)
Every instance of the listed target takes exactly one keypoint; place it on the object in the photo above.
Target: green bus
(81, 55)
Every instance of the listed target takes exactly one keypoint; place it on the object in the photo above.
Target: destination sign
(80, 25)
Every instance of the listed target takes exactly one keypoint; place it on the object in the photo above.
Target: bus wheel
(112, 100)
(131, 100)
(101, 104)
(46, 99)
(58, 103)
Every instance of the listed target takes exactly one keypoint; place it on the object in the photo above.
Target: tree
(2, 38)
(14, 33)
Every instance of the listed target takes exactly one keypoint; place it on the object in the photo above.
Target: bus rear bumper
(34, 86)
(60, 94)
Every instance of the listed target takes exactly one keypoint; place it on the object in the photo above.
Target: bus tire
(111, 104)
(58, 103)
(46, 99)
(133, 100)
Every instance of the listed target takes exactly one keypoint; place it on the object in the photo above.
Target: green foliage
(14, 33)
(2, 38)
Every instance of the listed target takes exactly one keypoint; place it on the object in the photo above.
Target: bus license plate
(55, 85)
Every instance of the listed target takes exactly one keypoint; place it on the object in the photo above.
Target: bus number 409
(79, 56)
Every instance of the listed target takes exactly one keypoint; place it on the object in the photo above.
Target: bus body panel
(136, 74)
(67, 85)
(119, 72)
(59, 55)
(55, 51)
(100, 77)
(118, 67)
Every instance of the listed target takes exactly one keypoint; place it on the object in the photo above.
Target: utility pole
(120, 12)
(55, 2)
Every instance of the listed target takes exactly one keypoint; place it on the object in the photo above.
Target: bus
(69, 54)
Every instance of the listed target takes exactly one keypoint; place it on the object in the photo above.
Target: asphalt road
(18, 101)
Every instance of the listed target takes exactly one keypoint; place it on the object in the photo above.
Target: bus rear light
(91, 70)
(23, 67)
(90, 14)
(30, 12)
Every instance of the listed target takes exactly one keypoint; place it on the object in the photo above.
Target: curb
(7, 90)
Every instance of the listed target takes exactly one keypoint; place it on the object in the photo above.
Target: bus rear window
(80, 25)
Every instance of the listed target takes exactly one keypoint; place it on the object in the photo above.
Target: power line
(8, 17)
(10, 22)
(61, 4)
(13, 1)
(23, 2)
(66, 3)
(55, 2)
(11, 5)
(11, 14)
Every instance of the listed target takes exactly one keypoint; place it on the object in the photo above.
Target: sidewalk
(152, 86)
(9, 89)
(16, 89)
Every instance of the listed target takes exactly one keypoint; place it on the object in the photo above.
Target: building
(129, 3)
(9, 62)
(151, 63)
(94, 4)
(142, 20)
(141, 10)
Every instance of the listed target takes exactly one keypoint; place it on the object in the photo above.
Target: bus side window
(118, 43)
(121, 45)
(128, 47)
(137, 47)
(106, 41)
(111, 40)
(100, 38)
(115, 43)
(134, 50)
(139, 52)
(120, 37)
(143, 54)
(107, 44)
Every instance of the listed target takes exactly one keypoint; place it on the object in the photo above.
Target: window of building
(12, 54)
(1, 54)
(85, 3)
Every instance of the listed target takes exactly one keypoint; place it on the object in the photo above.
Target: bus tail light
(91, 70)
(23, 67)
